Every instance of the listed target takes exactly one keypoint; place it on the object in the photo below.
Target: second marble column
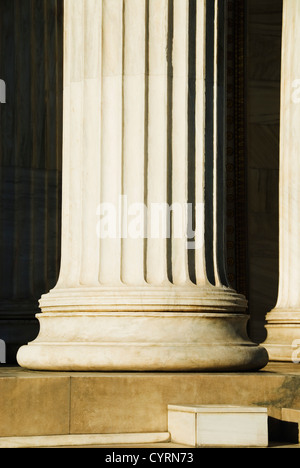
(283, 322)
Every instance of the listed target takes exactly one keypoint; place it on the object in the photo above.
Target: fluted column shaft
(143, 280)
(283, 322)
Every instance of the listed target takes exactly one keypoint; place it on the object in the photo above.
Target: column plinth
(144, 120)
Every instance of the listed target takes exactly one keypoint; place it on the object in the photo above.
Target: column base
(283, 335)
(142, 341)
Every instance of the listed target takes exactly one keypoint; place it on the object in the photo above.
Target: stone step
(79, 440)
(35, 404)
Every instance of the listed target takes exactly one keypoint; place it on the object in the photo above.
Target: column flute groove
(157, 138)
(179, 138)
(134, 145)
(111, 134)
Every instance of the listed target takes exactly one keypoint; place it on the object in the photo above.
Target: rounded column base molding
(283, 335)
(149, 341)
(123, 298)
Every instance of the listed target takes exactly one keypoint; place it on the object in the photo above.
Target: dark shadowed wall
(30, 162)
(262, 98)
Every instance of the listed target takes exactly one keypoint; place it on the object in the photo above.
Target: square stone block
(33, 404)
(218, 425)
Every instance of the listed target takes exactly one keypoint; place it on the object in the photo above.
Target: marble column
(144, 112)
(283, 322)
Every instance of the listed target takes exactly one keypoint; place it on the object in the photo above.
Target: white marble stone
(218, 425)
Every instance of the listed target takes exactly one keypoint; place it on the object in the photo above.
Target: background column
(283, 323)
